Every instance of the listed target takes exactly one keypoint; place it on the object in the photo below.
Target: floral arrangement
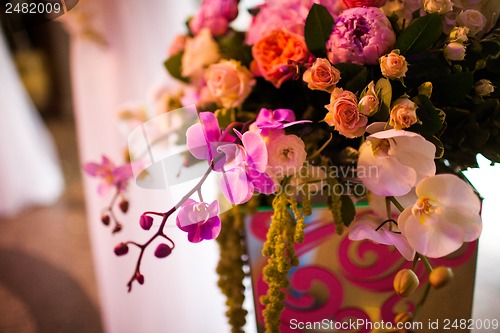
(386, 100)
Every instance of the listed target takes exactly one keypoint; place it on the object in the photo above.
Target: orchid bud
(146, 222)
(405, 282)
(440, 277)
(121, 249)
(403, 317)
(163, 250)
(124, 205)
(105, 219)
(139, 278)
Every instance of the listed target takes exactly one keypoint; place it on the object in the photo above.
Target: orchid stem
(396, 203)
(166, 215)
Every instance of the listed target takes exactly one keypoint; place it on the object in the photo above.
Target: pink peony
(360, 35)
(363, 3)
(214, 15)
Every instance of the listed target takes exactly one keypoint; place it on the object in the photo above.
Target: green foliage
(353, 77)
(420, 35)
(451, 89)
(317, 30)
(383, 89)
(348, 210)
(233, 46)
(173, 66)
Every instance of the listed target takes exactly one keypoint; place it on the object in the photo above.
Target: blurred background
(48, 263)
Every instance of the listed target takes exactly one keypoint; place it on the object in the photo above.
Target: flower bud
(117, 228)
(459, 34)
(124, 205)
(440, 277)
(403, 114)
(438, 6)
(368, 104)
(146, 222)
(405, 282)
(163, 250)
(139, 278)
(484, 87)
(403, 317)
(393, 65)
(425, 89)
(105, 219)
(454, 51)
(121, 249)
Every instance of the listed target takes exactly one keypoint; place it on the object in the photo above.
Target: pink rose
(229, 82)
(393, 65)
(360, 35)
(321, 76)
(214, 15)
(343, 114)
(363, 3)
(286, 155)
(177, 45)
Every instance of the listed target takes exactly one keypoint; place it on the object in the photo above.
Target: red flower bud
(124, 205)
(139, 278)
(162, 250)
(121, 249)
(146, 222)
(105, 219)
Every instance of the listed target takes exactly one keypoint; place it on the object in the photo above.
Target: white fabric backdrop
(180, 293)
(29, 169)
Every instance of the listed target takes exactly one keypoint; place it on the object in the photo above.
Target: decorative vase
(345, 285)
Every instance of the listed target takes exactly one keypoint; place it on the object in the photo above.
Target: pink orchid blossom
(244, 170)
(365, 227)
(110, 174)
(199, 219)
(273, 123)
(445, 216)
(392, 162)
(205, 137)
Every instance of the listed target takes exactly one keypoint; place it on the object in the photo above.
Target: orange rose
(343, 114)
(272, 54)
(321, 76)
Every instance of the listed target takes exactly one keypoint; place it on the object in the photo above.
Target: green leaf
(173, 66)
(439, 145)
(420, 35)
(317, 30)
(383, 89)
(233, 46)
(353, 77)
(348, 210)
(225, 117)
(452, 89)
(432, 119)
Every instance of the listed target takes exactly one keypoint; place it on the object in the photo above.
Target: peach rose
(454, 51)
(229, 82)
(368, 104)
(321, 76)
(343, 114)
(438, 6)
(199, 52)
(403, 114)
(272, 55)
(393, 65)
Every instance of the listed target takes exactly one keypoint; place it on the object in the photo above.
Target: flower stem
(396, 203)
(166, 215)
